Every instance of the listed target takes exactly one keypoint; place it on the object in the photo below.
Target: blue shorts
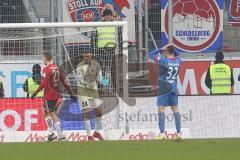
(168, 99)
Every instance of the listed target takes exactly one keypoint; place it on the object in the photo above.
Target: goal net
(22, 45)
(21, 119)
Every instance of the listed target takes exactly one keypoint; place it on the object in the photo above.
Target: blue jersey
(168, 72)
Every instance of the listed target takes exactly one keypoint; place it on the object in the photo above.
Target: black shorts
(50, 106)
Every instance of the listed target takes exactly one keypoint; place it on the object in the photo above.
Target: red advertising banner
(21, 114)
(191, 77)
(191, 80)
(233, 12)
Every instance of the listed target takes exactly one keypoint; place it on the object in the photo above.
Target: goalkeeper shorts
(168, 99)
(49, 105)
(87, 102)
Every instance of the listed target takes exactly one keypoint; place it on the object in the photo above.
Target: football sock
(59, 129)
(88, 127)
(98, 124)
(49, 122)
(161, 117)
(178, 122)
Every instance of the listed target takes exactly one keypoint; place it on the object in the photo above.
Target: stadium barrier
(191, 80)
(202, 117)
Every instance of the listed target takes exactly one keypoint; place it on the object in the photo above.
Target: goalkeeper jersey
(88, 75)
(168, 72)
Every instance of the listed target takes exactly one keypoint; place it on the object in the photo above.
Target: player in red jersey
(52, 78)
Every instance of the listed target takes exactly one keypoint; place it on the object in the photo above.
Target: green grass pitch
(209, 149)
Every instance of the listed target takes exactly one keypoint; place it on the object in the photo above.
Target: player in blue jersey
(169, 65)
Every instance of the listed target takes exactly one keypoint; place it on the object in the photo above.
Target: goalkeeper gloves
(105, 81)
(33, 96)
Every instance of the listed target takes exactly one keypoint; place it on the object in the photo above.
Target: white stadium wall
(202, 117)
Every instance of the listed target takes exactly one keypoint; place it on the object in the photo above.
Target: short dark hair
(107, 12)
(219, 55)
(36, 69)
(87, 51)
(170, 48)
(47, 55)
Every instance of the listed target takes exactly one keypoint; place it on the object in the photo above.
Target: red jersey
(52, 78)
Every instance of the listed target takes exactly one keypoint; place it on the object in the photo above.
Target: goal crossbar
(62, 24)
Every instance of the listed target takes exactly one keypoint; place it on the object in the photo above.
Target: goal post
(22, 45)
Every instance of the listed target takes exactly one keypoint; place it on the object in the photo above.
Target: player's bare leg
(57, 125)
(177, 121)
(161, 117)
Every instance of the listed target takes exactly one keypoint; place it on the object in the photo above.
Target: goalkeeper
(169, 65)
(89, 74)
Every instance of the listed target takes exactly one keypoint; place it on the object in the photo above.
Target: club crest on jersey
(197, 24)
